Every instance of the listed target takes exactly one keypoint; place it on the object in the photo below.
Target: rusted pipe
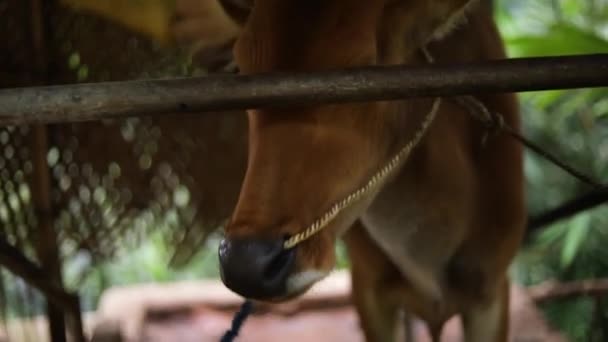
(83, 102)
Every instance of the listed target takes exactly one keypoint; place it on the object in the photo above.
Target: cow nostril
(257, 269)
(278, 265)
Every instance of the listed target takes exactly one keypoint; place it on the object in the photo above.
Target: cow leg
(408, 327)
(489, 320)
(379, 316)
(435, 331)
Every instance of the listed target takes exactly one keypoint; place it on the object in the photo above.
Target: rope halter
(371, 184)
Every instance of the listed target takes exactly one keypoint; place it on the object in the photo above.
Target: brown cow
(435, 233)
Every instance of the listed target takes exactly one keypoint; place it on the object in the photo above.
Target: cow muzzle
(256, 269)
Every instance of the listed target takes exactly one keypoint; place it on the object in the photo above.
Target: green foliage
(573, 124)
(149, 263)
(561, 38)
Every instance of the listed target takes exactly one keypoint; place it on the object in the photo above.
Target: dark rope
(237, 321)
(550, 157)
(495, 123)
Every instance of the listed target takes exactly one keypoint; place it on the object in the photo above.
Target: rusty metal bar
(60, 315)
(84, 102)
(46, 245)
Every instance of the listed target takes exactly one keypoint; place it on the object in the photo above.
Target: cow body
(436, 238)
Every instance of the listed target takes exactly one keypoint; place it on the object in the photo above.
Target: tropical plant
(573, 124)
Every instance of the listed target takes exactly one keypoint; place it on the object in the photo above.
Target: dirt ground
(202, 311)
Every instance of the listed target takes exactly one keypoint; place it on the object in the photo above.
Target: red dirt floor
(202, 311)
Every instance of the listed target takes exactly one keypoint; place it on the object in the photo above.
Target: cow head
(304, 159)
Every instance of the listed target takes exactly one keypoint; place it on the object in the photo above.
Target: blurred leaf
(74, 60)
(552, 235)
(560, 39)
(577, 233)
(600, 108)
(83, 73)
(547, 98)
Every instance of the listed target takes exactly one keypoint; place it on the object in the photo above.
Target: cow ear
(238, 10)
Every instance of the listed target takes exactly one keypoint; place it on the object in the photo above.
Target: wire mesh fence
(112, 182)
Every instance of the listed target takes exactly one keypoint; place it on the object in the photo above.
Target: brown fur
(465, 200)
